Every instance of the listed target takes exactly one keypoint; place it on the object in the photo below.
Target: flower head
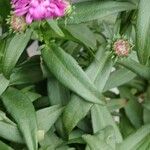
(17, 23)
(40, 9)
(121, 47)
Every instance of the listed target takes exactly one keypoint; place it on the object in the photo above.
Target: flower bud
(17, 23)
(122, 47)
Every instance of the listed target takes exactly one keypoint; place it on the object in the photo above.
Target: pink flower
(122, 47)
(40, 9)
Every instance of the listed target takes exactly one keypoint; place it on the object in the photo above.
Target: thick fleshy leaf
(13, 51)
(69, 73)
(22, 110)
(143, 31)
(88, 11)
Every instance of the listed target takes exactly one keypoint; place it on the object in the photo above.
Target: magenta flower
(40, 9)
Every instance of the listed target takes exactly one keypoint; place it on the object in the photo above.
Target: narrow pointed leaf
(47, 117)
(87, 37)
(77, 108)
(22, 110)
(134, 138)
(3, 83)
(53, 24)
(88, 11)
(10, 132)
(58, 95)
(68, 72)
(4, 146)
(102, 140)
(101, 117)
(143, 31)
(119, 77)
(135, 67)
(13, 51)
(133, 109)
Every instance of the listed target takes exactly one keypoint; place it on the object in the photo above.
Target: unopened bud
(122, 47)
(17, 23)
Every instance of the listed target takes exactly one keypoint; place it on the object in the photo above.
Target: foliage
(87, 84)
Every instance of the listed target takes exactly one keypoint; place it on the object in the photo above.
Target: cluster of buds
(27, 11)
(120, 46)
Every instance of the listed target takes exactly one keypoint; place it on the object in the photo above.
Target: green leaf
(100, 115)
(72, 115)
(88, 11)
(51, 141)
(3, 146)
(20, 75)
(76, 110)
(4, 118)
(101, 118)
(13, 51)
(119, 77)
(143, 31)
(22, 110)
(139, 69)
(102, 78)
(54, 25)
(134, 138)
(5, 8)
(133, 108)
(144, 144)
(115, 104)
(86, 37)
(69, 73)
(3, 83)
(10, 132)
(32, 95)
(58, 94)
(102, 140)
(2, 48)
(126, 128)
(47, 117)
